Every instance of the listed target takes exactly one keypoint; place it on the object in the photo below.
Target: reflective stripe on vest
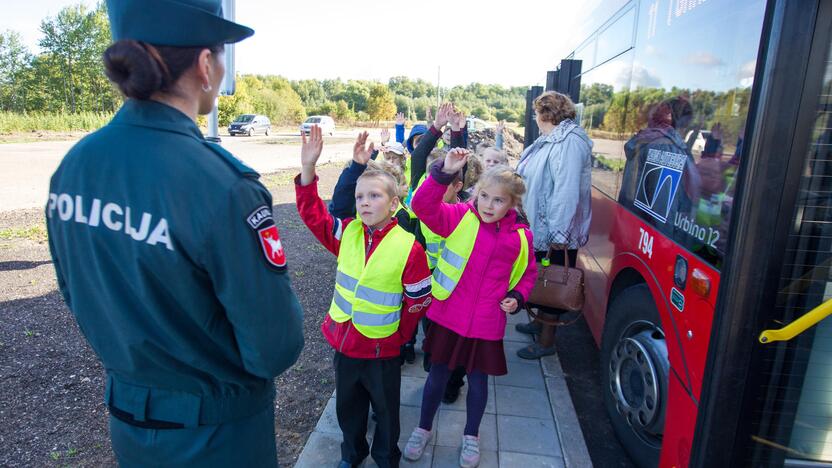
(457, 250)
(370, 295)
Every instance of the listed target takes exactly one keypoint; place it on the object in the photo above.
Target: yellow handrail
(798, 326)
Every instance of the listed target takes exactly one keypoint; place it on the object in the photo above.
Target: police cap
(176, 23)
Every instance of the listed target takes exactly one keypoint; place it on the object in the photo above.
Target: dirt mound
(512, 141)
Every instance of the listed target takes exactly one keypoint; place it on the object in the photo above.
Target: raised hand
(385, 136)
(501, 125)
(310, 152)
(310, 149)
(455, 160)
(457, 120)
(508, 305)
(400, 118)
(443, 115)
(360, 152)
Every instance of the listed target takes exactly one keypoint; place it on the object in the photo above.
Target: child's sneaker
(416, 444)
(469, 456)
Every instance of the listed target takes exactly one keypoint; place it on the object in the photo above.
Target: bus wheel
(634, 373)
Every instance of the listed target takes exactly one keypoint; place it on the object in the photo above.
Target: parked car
(250, 124)
(324, 121)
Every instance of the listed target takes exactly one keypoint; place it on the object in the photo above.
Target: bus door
(767, 400)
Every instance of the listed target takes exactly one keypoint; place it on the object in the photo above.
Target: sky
(463, 41)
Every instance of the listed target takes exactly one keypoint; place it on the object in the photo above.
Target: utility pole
(438, 88)
(227, 85)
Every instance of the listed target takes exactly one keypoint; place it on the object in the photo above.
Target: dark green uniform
(167, 254)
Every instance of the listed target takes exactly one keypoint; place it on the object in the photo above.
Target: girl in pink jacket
(468, 325)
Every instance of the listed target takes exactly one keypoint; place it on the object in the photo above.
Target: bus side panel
(639, 246)
(595, 258)
(679, 425)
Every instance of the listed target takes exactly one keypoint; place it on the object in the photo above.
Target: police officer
(167, 254)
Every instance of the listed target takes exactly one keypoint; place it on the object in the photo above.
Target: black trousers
(556, 259)
(358, 384)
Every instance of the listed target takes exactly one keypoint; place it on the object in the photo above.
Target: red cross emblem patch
(272, 247)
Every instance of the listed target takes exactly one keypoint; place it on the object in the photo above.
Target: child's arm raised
(343, 197)
(427, 143)
(400, 127)
(438, 216)
(325, 227)
(459, 130)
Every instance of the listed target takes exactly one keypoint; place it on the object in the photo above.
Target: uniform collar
(154, 114)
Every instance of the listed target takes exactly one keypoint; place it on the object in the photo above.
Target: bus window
(687, 105)
(604, 101)
(616, 38)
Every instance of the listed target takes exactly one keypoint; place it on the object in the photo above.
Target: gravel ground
(51, 409)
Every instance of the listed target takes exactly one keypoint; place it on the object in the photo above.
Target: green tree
(380, 104)
(15, 63)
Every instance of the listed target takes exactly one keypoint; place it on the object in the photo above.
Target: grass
(12, 122)
(33, 233)
(612, 164)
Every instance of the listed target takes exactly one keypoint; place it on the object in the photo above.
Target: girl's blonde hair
(506, 178)
(390, 175)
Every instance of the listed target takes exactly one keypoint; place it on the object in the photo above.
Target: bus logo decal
(659, 183)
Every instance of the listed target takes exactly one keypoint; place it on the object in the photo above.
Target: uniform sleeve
(416, 282)
(246, 262)
(440, 217)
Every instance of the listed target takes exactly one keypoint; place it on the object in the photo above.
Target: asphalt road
(25, 168)
(580, 361)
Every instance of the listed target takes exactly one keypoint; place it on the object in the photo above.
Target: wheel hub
(638, 366)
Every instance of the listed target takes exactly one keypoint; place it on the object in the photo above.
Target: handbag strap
(566, 263)
(555, 323)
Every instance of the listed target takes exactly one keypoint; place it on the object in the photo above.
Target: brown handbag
(558, 286)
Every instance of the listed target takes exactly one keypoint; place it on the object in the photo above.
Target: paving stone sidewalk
(529, 421)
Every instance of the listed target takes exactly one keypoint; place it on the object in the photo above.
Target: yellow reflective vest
(457, 250)
(371, 295)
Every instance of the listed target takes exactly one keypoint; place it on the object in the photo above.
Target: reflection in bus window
(680, 169)
(604, 101)
(616, 38)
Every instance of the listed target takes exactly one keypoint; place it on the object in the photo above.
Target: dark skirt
(474, 354)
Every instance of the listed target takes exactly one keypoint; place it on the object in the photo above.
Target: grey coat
(557, 171)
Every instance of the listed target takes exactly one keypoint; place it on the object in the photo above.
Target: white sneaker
(416, 444)
(469, 456)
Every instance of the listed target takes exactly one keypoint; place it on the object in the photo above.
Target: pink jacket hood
(473, 309)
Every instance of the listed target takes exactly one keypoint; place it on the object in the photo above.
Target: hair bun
(132, 68)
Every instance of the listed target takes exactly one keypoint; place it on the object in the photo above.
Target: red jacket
(415, 279)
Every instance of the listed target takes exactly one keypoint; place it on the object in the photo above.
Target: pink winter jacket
(473, 309)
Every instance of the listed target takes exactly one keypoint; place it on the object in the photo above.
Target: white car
(325, 122)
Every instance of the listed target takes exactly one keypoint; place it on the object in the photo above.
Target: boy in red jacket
(382, 288)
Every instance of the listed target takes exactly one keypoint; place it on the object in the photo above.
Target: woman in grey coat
(557, 172)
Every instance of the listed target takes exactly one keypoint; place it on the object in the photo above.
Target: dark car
(250, 124)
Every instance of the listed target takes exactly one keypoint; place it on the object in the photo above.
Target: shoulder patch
(262, 224)
(232, 161)
(259, 216)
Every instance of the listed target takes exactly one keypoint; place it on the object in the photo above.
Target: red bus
(711, 221)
